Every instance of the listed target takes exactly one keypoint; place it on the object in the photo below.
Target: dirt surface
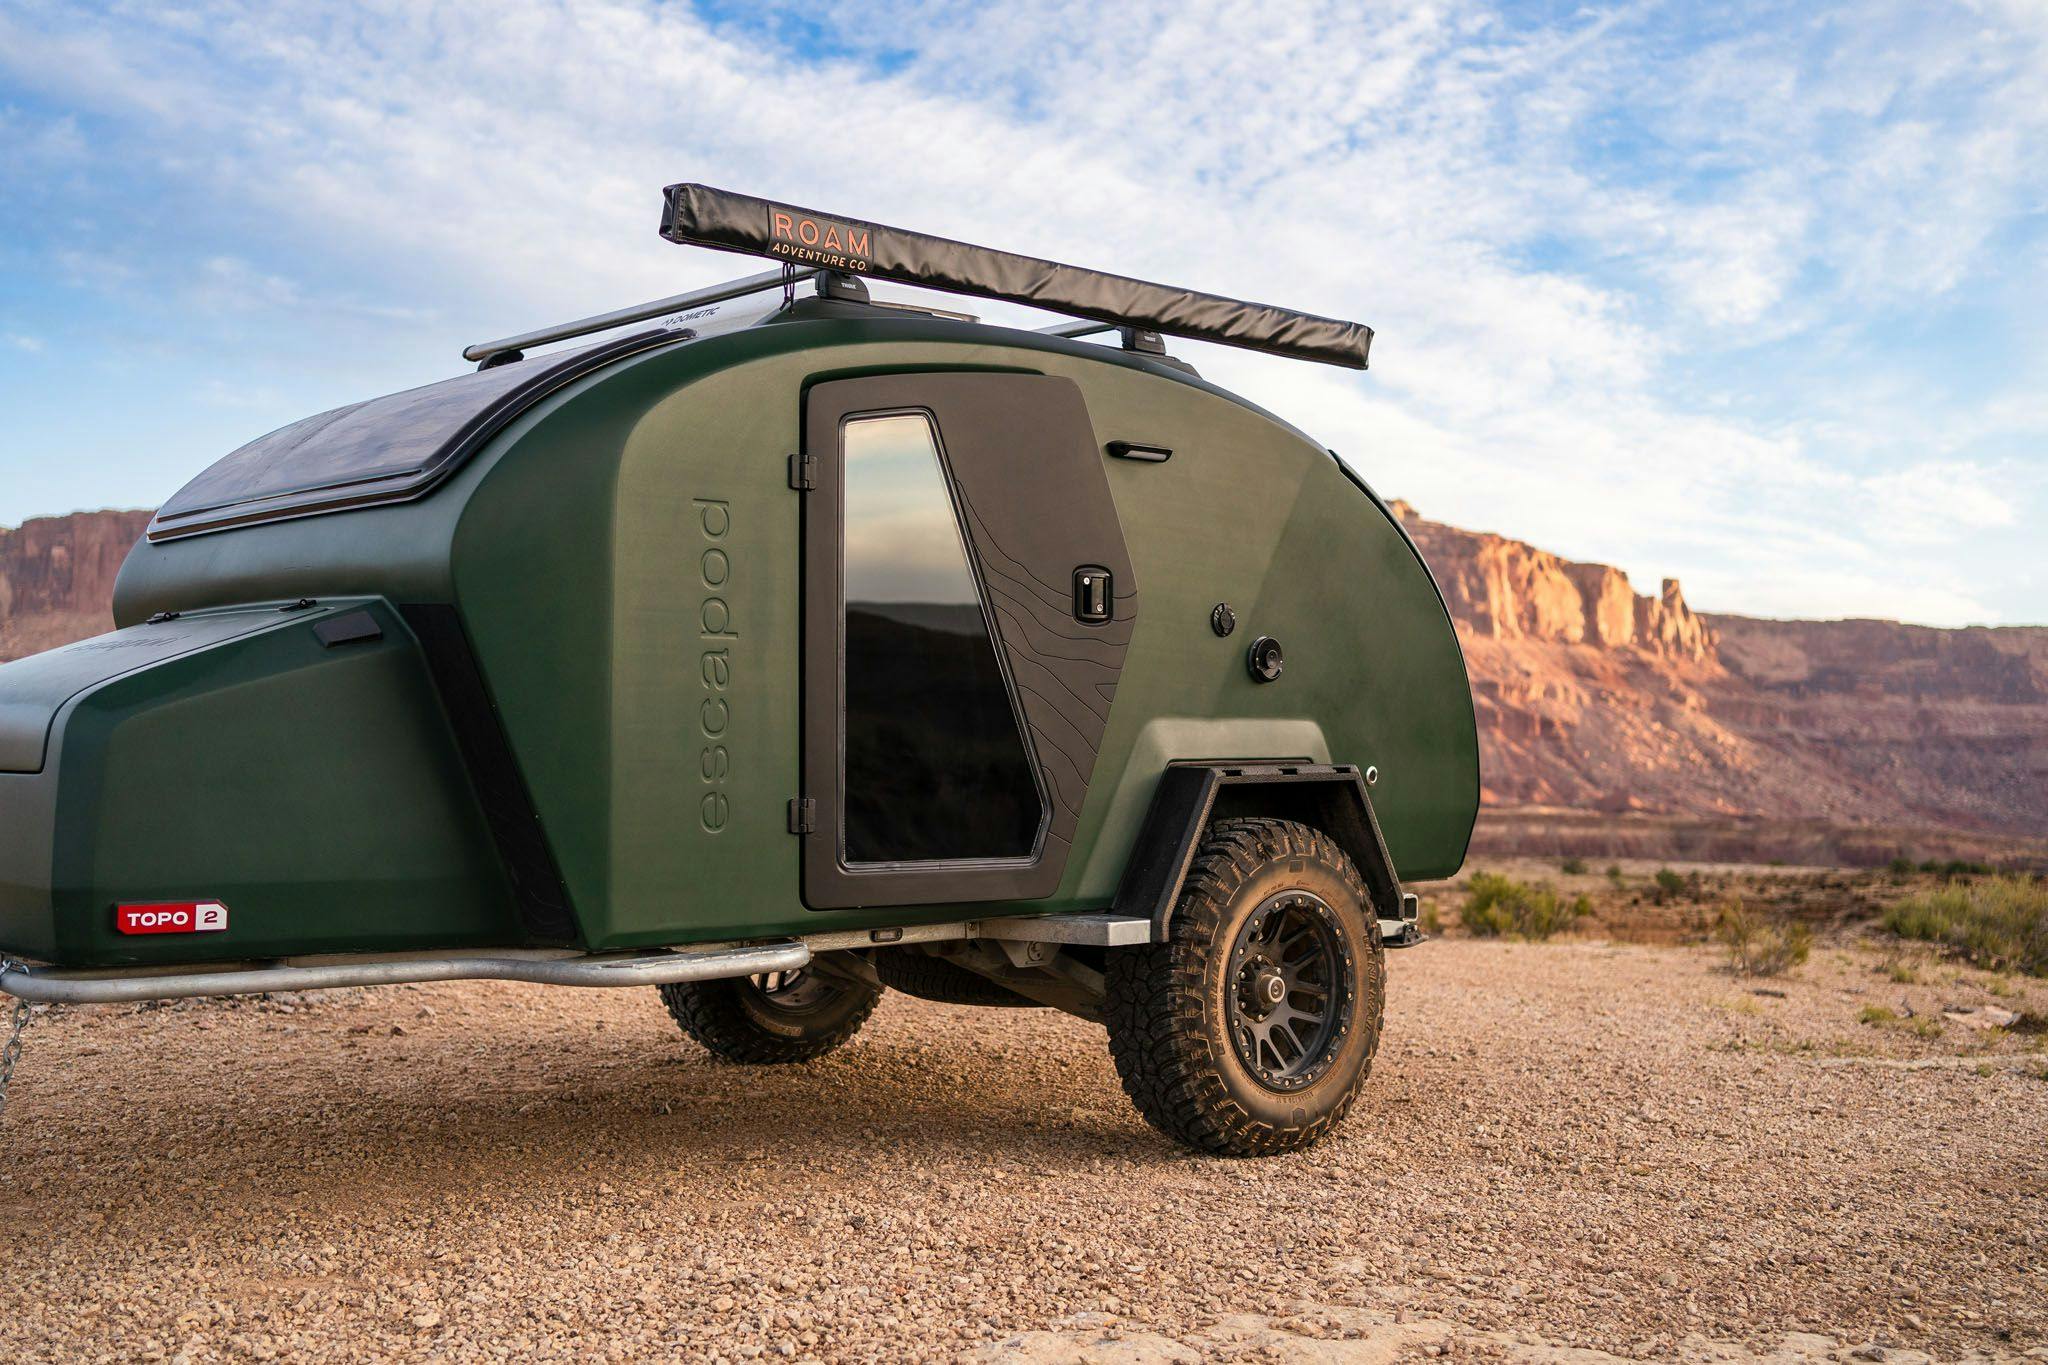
(1565, 1148)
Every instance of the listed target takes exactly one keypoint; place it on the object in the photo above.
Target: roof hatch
(388, 449)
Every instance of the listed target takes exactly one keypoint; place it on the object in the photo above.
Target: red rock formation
(57, 578)
(1593, 696)
(1513, 591)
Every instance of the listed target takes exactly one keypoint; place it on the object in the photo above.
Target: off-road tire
(1168, 1010)
(737, 1021)
(949, 983)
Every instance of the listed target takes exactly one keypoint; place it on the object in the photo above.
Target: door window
(934, 765)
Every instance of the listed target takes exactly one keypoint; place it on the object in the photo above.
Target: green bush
(2000, 922)
(1758, 946)
(1572, 867)
(1956, 867)
(1902, 866)
(1670, 886)
(1496, 906)
(1614, 873)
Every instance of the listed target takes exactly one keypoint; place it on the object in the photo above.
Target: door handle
(1092, 595)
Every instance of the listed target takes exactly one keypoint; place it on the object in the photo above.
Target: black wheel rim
(794, 992)
(1288, 996)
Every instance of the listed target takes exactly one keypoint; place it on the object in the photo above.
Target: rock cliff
(1593, 696)
(57, 578)
(1513, 591)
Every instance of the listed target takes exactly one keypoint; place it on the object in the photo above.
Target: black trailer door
(967, 604)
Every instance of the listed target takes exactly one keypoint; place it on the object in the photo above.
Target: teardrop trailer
(778, 649)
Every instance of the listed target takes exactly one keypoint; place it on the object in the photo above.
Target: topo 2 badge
(173, 917)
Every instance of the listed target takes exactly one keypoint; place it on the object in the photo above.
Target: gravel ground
(1565, 1149)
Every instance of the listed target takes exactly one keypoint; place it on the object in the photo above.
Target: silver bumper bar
(554, 967)
(52, 986)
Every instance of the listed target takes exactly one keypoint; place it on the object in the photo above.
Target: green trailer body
(570, 678)
(582, 551)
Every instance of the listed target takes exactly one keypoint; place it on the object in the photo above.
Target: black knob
(1264, 660)
(1223, 620)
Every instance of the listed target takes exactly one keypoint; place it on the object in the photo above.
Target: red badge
(172, 917)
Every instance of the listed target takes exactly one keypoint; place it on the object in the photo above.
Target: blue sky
(1755, 297)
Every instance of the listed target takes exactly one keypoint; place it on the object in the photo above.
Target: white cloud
(23, 342)
(227, 284)
(1549, 225)
(1949, 499)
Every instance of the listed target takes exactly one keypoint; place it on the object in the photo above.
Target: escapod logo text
(716, 636)
(809, 240)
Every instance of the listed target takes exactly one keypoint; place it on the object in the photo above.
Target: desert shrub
(1902, 866)
(1496, 906)
(1999, 922)
(1956, 867)
(1669, 886)
(1920, 1026)
(1430, 920)
(1614, 873)
(1758, 946)
(1572, 867)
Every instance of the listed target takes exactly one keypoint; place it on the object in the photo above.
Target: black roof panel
(385, 450)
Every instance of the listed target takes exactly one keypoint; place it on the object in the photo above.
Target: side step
(51, 986)
(1403, 932)
(546, 967)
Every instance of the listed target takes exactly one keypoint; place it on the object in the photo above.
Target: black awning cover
(703, 216)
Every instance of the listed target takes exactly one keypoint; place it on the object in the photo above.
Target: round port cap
(1264, 659)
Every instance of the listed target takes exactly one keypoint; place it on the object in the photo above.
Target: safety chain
(10, 1051)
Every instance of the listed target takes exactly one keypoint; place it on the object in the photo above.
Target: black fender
(1332, 798)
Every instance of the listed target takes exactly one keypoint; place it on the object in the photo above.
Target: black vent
(530, 865)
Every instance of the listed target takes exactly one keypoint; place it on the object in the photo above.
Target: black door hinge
(803, 815)
(803, 472)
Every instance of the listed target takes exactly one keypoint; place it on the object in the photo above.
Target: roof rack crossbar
(675, 303)
(700, 215)
(1071, 330)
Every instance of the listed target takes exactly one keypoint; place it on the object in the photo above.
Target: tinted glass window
(935, 766)
(385, 449)
(385, 438)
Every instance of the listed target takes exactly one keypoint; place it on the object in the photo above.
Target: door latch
(1092, 595)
